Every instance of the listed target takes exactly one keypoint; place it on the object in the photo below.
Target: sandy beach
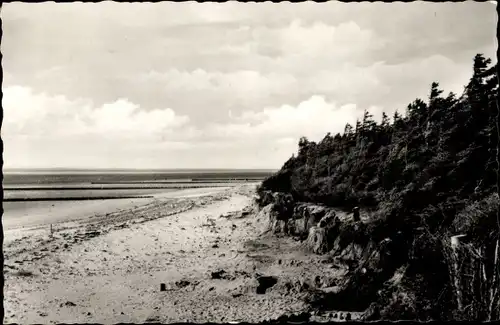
(197, 242)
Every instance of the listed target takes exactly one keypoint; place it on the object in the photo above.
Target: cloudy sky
(218, 85)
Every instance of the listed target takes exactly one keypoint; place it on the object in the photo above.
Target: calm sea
(43, 197)
(67, 184)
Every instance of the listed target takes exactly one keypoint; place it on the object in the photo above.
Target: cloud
(319, 39)
(207, 84)
(312, 118)
(390, 87)
(51, 130)
(240, 85)
(266, 138)
(40, 115)
(41, 130)
(239, 57)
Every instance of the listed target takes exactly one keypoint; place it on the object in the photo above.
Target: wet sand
(43, 213)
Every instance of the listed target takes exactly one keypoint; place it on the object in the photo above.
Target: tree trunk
(457, 279)
(484, 285)
(494, 284)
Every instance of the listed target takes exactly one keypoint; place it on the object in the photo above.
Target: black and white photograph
(246, 162)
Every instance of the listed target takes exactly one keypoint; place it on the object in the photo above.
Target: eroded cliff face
(324, 230)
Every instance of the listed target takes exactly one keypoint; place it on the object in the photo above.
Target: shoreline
(76, 198)
(125, 186)
(200, 245)
(32, 213)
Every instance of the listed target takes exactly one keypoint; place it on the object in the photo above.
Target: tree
(348, 129)
(303, 146)
(358, 127)
(435, 92)
(417, 112)
(385, 121)
(397, 118)
(368, 123)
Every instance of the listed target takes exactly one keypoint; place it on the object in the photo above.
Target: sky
(218, 85)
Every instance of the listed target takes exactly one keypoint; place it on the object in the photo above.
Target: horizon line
(138, 169)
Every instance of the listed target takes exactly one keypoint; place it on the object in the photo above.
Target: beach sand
(109, 269)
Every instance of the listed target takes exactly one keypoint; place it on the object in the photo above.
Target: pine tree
(348, 130)
(435, 92)
(397, 119)
(368, 125)
(358, 127)
(385, 121)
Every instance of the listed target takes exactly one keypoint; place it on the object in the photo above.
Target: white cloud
(421, 73)
(122, 117)
(46, 131)
(40, 115)
(320, 39)
(75, 132)
(299, 39)
(312, 118)
(240, 84)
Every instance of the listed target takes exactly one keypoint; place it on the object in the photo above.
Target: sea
(78, 184)
(27, 192)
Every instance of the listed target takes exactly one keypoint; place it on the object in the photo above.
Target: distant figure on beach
(355, 214)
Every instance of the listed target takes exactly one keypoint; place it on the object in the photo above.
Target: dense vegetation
(429, 174)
